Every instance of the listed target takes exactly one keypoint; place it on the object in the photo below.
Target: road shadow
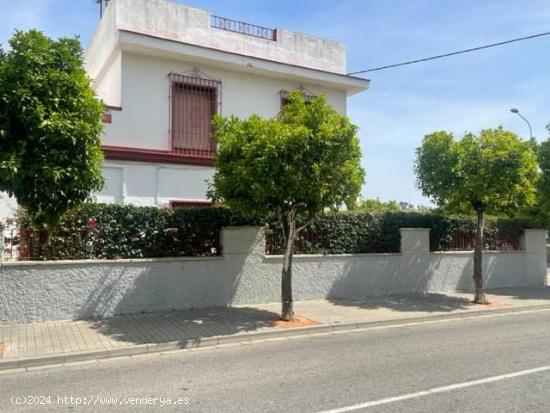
(183, 326)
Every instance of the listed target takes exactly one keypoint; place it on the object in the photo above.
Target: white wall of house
(139, 42)
(144, 119)
(8, 206)
(181, 23)
(109, 86)
(143, 123)
(149, 184)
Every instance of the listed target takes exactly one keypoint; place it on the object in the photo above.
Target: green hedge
(365, 232)
(114, 231)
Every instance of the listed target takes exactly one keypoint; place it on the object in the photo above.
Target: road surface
(484, 364)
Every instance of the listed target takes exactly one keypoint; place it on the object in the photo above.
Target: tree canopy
(292, 167)
(541, 209)
(376, 205)
(50, 125)
(307, 157)
(495, 170)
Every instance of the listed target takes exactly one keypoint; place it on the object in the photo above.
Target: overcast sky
(463, 93)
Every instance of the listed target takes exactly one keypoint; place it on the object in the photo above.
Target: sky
(462, 93)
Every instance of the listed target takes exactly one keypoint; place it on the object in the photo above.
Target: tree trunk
(287, 313)
(479, 297)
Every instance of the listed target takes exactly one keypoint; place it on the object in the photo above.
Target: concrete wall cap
(332, 256)
(108, 262)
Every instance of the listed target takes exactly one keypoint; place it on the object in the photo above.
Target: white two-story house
(163, 69)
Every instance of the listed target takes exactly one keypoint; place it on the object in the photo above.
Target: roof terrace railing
(243, 28)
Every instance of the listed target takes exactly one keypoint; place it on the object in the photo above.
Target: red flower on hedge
(92, 223)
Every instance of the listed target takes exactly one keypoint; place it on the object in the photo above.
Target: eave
(156, 46)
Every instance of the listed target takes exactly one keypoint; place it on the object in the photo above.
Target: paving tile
(12, 371)
(200, 328)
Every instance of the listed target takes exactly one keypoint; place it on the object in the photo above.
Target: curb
(59, 359)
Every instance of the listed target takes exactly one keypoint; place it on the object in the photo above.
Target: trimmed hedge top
(363, 232)
(124, 231)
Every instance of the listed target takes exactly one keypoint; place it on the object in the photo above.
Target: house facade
(164, 69)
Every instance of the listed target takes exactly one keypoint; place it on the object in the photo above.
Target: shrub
(125, 231)
(364, 232)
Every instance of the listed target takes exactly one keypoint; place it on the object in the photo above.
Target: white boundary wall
(244, 275)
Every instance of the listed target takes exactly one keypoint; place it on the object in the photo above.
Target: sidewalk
(56, 342)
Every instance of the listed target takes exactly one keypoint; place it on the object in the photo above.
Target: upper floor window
(190, 204)
(308, 96)
(194, 100)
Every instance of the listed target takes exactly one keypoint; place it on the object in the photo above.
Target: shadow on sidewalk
(183, 326)
(522, 293)
(414, 303)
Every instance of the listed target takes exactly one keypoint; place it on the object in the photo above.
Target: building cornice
(122, 153)
(153, 45)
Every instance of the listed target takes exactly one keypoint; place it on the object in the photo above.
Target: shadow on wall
(183, 326)
(165, 286)
(404, 281)
(101, 299)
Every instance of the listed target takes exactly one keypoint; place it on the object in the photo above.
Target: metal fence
(94, 242)
(313, 242)
(243, 28)
(307, 243)
(465, 241)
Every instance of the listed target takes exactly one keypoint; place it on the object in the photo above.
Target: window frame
(194, 81)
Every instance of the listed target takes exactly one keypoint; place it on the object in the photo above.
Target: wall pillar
(415, 259)
(534, 242)
(242, 240)
(415, 240)
(243, 250)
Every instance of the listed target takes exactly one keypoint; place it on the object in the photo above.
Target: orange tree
(541, 210)
(494, 172)
(291, 168)
(50, 126)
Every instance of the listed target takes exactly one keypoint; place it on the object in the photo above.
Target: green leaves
(541, 209)
(495, 170)
(126, 231)
(50, 126)
(308, 156)
(379, 232)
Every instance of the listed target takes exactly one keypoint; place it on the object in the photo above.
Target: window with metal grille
(308, 96)
(190, 204)
(194, 100)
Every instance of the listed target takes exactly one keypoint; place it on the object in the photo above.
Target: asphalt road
(393, 369)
